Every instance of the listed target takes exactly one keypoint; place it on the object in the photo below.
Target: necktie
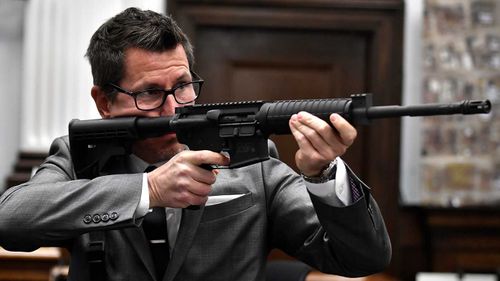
(155, 228)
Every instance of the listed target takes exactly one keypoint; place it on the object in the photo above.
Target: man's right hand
(182, 182)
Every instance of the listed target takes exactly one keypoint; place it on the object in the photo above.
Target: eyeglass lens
(152, 99)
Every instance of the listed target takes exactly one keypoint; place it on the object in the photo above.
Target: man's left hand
(319, 143)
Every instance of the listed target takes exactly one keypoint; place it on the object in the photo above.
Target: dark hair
(132, 28)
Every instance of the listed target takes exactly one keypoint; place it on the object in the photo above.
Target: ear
(101, 100)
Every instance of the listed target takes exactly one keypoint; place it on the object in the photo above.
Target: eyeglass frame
(166, 92)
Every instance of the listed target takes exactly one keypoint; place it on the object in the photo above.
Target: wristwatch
(326, 175)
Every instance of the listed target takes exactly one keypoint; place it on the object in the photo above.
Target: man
(324, 217)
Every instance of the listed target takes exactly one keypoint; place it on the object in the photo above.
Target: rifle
(238, 128)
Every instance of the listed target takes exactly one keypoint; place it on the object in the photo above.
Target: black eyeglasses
(151, 99)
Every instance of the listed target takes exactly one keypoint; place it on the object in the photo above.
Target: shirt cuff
(143, 206)
(335, 192)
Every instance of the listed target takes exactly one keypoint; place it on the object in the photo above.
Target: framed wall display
(459, 156)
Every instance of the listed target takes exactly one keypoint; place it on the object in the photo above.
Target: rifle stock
(238, 128)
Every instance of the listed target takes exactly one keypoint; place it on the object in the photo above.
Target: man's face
(144, 70)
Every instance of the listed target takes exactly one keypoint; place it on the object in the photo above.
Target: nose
(169, 106)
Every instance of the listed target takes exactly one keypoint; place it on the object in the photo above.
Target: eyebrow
(184, 76)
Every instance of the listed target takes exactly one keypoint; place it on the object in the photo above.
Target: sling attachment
(95, 256)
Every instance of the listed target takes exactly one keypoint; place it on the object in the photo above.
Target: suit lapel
(135, 236)
(187, 232)
(138, 241)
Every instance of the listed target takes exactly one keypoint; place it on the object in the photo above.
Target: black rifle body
(238, 128)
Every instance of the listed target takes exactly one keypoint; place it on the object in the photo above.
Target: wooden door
(266, 64)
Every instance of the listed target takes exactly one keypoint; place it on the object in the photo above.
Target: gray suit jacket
(227, 241)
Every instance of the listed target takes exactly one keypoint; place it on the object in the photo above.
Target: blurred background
(436, 179)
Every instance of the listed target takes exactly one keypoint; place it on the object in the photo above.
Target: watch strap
(326, 175)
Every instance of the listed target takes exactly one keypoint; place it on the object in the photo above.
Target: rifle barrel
(464, 107)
